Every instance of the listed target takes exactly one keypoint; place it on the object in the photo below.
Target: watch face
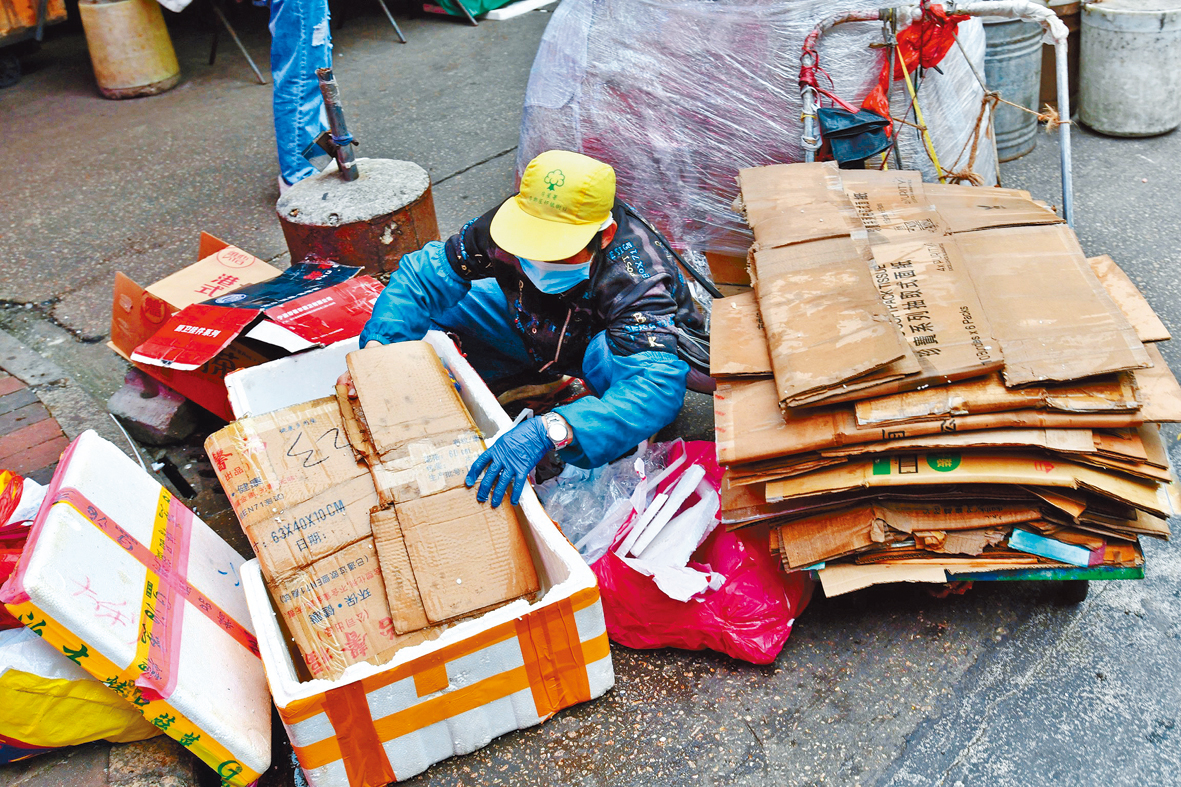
(556, 430)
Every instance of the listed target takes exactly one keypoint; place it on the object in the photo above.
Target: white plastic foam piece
(289, 381)
(642, 524)
(681, 537)
(93, 588)
(680, 493)
(565, 578)
(513, 10)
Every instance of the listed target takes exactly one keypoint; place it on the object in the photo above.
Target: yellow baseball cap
(565, 197)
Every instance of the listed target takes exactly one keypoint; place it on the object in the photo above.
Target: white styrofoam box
(84, 584)
(479, 679)
(292, 380)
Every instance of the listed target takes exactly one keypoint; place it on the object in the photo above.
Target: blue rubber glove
(509, 461)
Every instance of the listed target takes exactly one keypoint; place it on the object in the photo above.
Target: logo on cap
(555, 178)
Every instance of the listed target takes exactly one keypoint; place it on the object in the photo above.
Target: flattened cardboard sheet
(1112, 393)
(794, 203)
(750, 427)
(844, 578)
(1129, 299)
(406, 394)
(466, 555)
(1159, 390)
(401, 587)
(738, 345)
(1053, 318)
(337, 613)
(974, 468)
(292, 453)
(824, 321)
(967, 208)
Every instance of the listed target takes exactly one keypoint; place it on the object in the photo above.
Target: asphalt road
(887, 686)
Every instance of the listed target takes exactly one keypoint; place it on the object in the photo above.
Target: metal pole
(237, 41)
(340, 131)
(390, 17)
(1064, 131)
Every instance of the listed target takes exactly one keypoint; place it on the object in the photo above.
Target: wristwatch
(557, 430)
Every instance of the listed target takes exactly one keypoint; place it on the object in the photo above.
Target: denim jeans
(300, 43)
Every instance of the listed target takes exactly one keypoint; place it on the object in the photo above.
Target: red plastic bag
(748, 617)
(12, 536)
(924, 43)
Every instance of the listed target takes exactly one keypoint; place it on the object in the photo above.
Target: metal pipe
(1023, 9)
(340, 130)
(1064, 130)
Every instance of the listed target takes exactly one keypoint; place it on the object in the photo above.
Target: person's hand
(346, 379)
(509, 461)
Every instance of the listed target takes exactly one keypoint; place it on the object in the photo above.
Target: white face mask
(558, 277)
(555, 277)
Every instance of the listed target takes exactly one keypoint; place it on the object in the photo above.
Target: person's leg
(486, 334)
(300, 43)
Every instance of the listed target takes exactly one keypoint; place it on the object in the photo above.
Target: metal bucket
(1130, 84)
(1013, 68)
(129, 47)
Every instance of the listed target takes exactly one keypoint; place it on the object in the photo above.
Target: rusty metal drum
(370, 222)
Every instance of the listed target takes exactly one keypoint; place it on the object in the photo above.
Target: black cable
(697, 276)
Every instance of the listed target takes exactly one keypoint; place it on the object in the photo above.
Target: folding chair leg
(467, 13)
(390, 17)
(213, 47)
(238, 41)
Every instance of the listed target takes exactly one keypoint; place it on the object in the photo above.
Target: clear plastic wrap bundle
(678, 95)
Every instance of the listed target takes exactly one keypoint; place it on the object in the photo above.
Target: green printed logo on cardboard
(943, 463)
(555, 178)
(881, 465)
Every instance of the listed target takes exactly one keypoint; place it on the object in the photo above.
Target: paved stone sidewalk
(40, 412)
(30, 438)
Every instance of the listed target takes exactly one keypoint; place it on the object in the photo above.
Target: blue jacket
(631, 331)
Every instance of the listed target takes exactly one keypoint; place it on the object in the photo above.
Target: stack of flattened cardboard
(365, 535)
(443, 553)
(929, 378)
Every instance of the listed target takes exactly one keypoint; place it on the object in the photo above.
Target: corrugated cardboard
(138, 312)
(337, 613)
(835, 534)
(738, 345)
(466, 555)
(843, 578)
(934, 303)
(408, 421)
(1129, 299)
(967, 208)
(401, 587)
(292, 478)
(309, 304)
(1113, 393)
(1053, 318)
(510, 668)
(1159, 390)
(975, 468)
(805, 542)
(750, 426)
(794, 203)
(406, 394)
(824, 321)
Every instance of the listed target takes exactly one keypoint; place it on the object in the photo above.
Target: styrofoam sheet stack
(143, 595)
(512, 668)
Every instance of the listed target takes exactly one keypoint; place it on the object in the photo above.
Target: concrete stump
(371, 222)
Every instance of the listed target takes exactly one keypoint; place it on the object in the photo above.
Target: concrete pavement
(882, 687)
